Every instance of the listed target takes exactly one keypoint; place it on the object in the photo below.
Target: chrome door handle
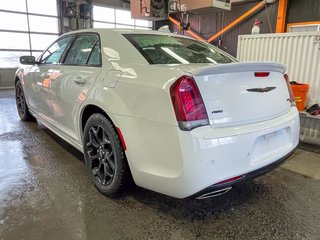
(79, 80)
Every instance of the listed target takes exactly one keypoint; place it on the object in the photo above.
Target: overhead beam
(281, 18)
(192, 33)
(237, 21)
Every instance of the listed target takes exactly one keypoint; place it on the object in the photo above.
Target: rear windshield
(164, 49)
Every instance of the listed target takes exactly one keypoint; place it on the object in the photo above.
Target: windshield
(165, 49)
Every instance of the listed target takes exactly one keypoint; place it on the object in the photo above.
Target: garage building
(45, 188)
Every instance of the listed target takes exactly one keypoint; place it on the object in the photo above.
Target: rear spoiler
(240, 67)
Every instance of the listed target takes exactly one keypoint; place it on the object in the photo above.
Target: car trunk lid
(241, 93)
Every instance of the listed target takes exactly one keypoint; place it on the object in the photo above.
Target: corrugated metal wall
(300, 52)
(310, 129)
(303, 11)
(207, 25)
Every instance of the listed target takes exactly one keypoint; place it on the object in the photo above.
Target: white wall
(300, 52)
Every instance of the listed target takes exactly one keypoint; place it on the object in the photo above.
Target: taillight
(291, 96)
(188, 104)
(233, 179)
(261, 74)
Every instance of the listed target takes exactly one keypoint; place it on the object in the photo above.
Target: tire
(21, 103)
(105, 157)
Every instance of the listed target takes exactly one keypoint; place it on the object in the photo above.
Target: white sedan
(173, 114)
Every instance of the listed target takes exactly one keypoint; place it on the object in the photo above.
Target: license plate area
(266, 147)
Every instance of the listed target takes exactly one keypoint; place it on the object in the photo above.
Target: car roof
(121, 31)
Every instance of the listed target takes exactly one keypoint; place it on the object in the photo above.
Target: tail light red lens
(188, 104)
(261, 74)
(291, 96)
(230, 180)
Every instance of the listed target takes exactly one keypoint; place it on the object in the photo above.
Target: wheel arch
(87, 111)
(91, 109)
(19, 76)
(16, 79)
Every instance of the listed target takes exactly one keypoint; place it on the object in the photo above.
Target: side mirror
(27, 60)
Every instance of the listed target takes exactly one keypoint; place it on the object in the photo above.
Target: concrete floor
(45, 193)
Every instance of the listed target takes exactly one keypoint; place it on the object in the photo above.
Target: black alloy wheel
(104, 156)
(21, 103)
(101, 155)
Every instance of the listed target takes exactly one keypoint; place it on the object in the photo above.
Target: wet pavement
(45, 193)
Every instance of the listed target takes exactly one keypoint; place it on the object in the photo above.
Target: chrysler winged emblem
(261, 90)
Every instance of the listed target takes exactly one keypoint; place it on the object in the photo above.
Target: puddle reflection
(14, 171)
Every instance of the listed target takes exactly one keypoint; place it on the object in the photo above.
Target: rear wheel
(104, 156)
(21, 103)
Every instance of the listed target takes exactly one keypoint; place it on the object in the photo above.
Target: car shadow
(200, 209)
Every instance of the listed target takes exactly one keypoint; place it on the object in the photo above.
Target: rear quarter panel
(139, 103)
(140, 106)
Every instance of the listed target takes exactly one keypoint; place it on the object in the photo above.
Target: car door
(77, 74)
(39, 78)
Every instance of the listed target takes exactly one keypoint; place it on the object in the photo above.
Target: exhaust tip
(215, 193)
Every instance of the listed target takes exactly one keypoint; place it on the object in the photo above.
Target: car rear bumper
(218, 189)
(211, 156)
(186, 163)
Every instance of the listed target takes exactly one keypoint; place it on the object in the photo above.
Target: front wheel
(104, 156)
(21, 103)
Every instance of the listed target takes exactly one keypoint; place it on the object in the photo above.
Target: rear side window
(94, 58)
(165, 49)
(53, 54)
(84, 50)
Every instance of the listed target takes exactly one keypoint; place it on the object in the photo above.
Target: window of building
(13, 5)
(107, 17)
(27, 27)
